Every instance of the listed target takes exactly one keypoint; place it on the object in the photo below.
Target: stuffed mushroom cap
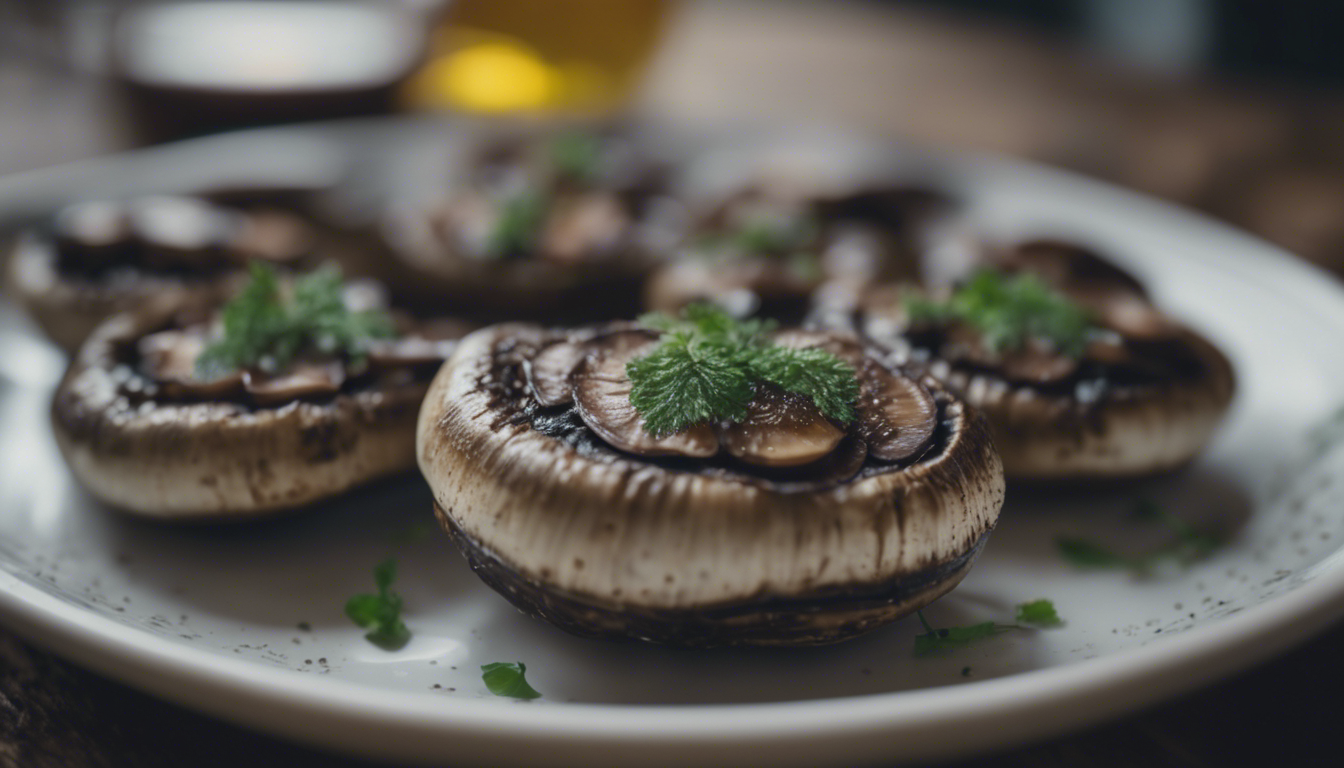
(1140, 393)
(778, 531)
(144, 433)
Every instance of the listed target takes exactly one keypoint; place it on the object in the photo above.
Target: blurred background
(1230, 106)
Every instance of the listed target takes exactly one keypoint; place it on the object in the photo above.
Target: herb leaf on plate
(381, 613)
(1036, 614)
(1187, 545)
(1041, 613)
(508, 679)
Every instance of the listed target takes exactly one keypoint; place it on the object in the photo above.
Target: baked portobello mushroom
(1079, 374)
(297, 394)
(837, 494)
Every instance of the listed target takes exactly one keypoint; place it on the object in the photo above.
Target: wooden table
(1263, 159)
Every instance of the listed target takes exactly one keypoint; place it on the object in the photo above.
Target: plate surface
(246, 622)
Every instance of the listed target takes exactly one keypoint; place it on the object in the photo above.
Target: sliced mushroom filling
(167, 361)
(1078, 321)
(779, 435)
(271, 346)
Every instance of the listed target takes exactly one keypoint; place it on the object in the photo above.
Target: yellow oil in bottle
(581, 56)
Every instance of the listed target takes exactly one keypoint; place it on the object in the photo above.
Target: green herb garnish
(381, 613)
(774, 235)
(577, 155)
(517, 224)
(1037, 614)
(506, 679)
(707, 365)
(1008, 310)
(265, 327)
(788, 239)
(1188, 545)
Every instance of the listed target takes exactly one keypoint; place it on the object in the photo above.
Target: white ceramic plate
(246, 622)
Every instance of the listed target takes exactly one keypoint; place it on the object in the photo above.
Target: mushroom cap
(1053, 420)
(614, 546)
(1125, 431)
(220, 460)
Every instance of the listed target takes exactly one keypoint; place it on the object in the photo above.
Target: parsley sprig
(507, 679)
(1187, 545)
(774, 235)
(1036, 614)
(517, 224)
(381, 613)
(708, 363)
(577, 155)
(1008, 310)
(266, 327)
(788, 239)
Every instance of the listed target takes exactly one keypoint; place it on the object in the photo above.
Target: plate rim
(421, 726)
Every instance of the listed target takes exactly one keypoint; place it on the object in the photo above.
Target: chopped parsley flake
(381, 613)
(1037, 614)
(507, 679)
(1188, 544)
(577, 155)
(518, 221)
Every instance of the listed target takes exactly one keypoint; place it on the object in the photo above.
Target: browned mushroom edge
(168, 447)
(673, 549)
(1144, 397)
(97, 258)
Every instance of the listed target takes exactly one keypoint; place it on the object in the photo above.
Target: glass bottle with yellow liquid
(576, 56)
